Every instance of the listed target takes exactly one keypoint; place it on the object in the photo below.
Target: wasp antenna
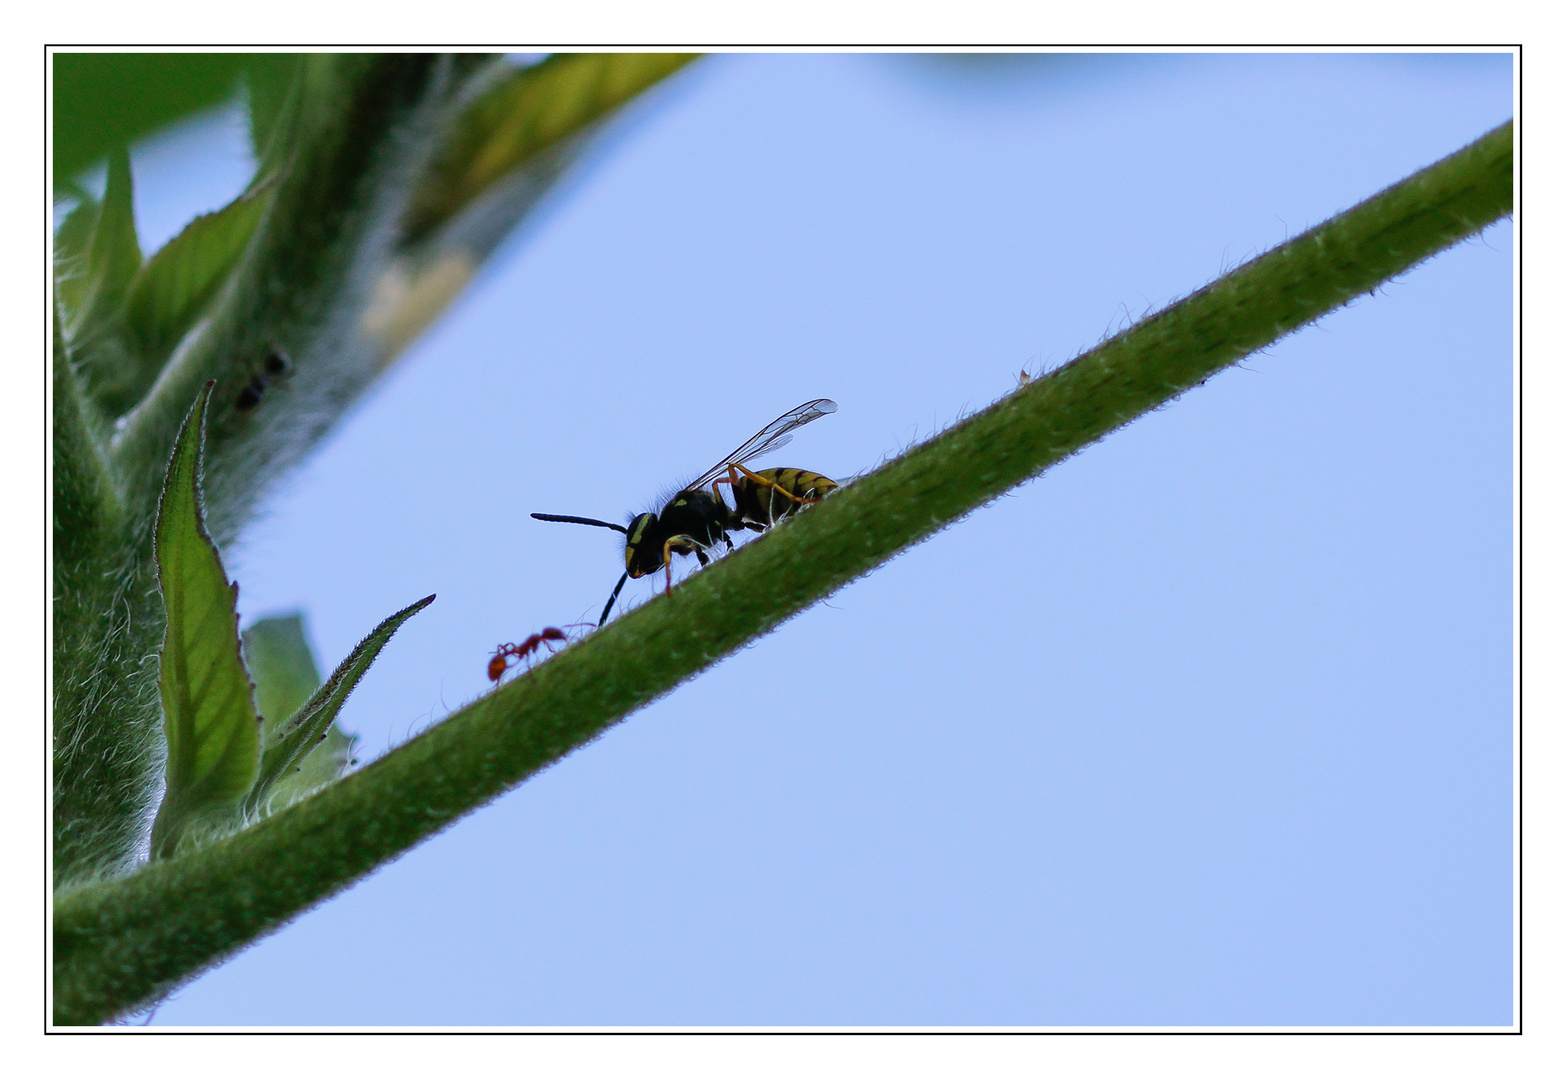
(612, 597)
(581, 521)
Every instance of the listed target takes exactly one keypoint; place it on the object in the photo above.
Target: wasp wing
(769, 438)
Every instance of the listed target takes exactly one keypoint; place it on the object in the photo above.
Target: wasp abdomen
(777, 493)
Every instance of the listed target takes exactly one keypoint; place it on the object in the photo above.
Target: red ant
(504, 655)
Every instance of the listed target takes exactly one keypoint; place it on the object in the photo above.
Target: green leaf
(282, 666)
(286, 750)
(70, 255)
(100, 765)
(535, 109)
(169, 291)
(330, 759)
(85, 501)
(284, 669)
(113, 254)
(95, 324)
(105, 100)
(120, 944)
(209, 713)
(269, 84)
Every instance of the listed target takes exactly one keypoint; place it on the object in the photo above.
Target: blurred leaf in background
(285, 671)
(108, 100)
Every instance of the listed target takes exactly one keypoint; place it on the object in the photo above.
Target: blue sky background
(1212, 724)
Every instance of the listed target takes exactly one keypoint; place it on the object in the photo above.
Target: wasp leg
(610, 606)
(681, 545)
(669, 575)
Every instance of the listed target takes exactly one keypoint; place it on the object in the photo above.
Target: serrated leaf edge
(185, 466)
(300, 734)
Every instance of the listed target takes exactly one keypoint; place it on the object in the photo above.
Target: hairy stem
(122, 943)
(362, 131)
(108, 618)
(104, 694)
(331, 280)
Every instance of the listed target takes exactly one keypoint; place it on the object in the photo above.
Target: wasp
(696, 519)
(505, 654)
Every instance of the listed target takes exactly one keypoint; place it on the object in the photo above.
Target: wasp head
(644, 546)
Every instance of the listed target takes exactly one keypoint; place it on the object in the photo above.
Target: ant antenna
(581, 521)
(612, 596)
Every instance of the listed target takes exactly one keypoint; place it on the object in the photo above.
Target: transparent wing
(769, 438)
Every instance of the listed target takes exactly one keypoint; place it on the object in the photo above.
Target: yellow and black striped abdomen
(765, 501)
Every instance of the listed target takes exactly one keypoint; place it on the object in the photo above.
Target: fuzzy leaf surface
(209, 712)
(326, 762)
(269, 80)
(286, 674)
(168, 292)
(309, 728)
(282, 666)
(113, 254)
(71, 240)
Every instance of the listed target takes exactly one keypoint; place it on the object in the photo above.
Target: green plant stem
(108, 618)
(361, 136)
(353, 149)
(103, 728)
(127, 942)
